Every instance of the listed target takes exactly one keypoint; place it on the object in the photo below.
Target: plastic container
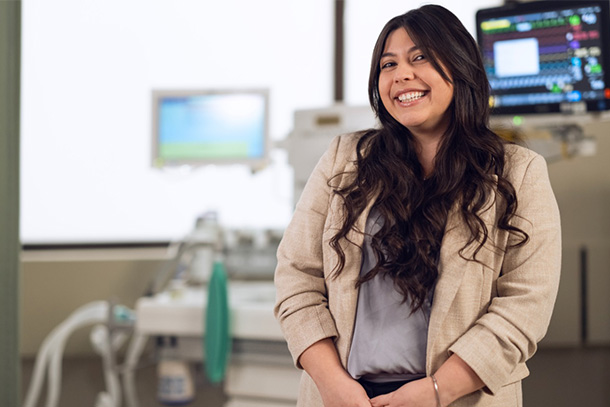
(175, 387)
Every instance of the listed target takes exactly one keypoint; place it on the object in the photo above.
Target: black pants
(374, 389)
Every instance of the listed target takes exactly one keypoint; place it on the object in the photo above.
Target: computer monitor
(546, 56)
(199, 127)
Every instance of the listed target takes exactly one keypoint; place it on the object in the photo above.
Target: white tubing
(52, 348)
(89, 314)
(37, 375)
(104, 400)
(54, 373)
(106, 344)
(44, 354)
(136, 346)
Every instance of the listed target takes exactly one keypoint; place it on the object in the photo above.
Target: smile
(410, 96)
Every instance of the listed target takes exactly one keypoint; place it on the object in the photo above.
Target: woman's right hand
(336, 386)
(343, 392)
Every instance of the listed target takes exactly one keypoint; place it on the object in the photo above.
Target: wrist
(437, 394)
(456, 379)
(444, 390)
(332, 376)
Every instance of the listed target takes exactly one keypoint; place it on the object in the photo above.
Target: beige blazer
(491, 313)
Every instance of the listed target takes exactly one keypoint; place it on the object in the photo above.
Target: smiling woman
(417, 247)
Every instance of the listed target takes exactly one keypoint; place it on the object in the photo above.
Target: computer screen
(210, 127)
(546, 56)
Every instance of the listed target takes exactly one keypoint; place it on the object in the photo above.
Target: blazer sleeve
(518, 317)
(301, 298)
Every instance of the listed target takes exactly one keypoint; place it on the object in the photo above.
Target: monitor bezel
(255, 163)
(541, 6)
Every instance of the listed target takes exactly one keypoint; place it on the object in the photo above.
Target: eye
(385, 65)
(419, 57)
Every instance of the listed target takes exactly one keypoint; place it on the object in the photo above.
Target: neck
(426, 152)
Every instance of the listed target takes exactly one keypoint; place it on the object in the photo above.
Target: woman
(422, 262)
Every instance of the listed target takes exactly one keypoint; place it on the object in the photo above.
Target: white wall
(88, 70)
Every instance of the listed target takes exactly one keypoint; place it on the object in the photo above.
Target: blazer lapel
(452, 268)
(451, 271)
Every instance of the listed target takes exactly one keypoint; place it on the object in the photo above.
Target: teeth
(410, 96)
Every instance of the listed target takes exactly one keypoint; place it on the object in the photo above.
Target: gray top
(389, 342)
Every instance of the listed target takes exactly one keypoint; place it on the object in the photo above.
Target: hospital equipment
(260, 372)
(193, 256)
(247, 254)
(547, 56)
(180, 308)
(554, 136)
(111, 324)
(210, 126)
(313, 131)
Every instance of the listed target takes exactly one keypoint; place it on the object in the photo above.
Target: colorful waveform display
(549, 57)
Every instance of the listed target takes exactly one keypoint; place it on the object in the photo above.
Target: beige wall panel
(52, 290)
(564, 329)
(598, 298)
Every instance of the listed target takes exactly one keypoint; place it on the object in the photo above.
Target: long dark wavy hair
(468, 166)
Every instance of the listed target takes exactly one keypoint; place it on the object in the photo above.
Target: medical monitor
(546, 56)
(210, 127)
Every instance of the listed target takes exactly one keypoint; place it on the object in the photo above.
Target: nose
(404, 73)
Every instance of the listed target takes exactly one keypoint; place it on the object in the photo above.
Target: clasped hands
(349, 393)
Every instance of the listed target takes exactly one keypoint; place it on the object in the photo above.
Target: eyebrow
(391, 54)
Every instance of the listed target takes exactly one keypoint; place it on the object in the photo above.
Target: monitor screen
(546, 56)
(209, 127)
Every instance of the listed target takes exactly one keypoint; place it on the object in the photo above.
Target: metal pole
(339, 49)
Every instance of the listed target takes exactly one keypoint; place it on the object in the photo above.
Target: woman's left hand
(418, 393)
